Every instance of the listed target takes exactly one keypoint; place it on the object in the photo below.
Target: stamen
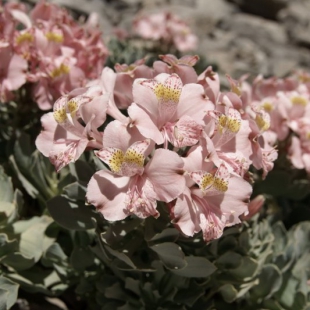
(116, 161)
(220, 184)
(261, 122)
(60, 115)
(54, 37)
(25, 37)
(165, 93)
(299, 100)
(62, 69)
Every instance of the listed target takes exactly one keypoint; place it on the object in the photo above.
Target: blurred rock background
(271, 37)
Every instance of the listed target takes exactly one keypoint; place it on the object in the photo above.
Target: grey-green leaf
(171, 255)
(8, 293)
(197, 267)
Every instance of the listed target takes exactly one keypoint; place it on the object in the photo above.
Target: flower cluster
(175, 138)
(168, 28)
(49, 50)
(286, 101)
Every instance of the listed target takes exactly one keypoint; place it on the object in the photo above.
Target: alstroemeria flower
(132, 188)
(125, 76)
(218, 202)
(299, 150)
(64, 138)
(183, 67)
(215, 198)
(165, 104)
(12, 71)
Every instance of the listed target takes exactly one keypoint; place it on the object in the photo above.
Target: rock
(262, 31)
(264, 8)
(296, 19)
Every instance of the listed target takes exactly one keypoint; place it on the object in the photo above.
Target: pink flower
(182, 36)
(218, 202)
(299, 149)
(163, 106)
(254, 207)
(12, 72)
(211, 84)
(151, 26)
(183, 67)
(64, 139)
(125, 76)
(57, 54)
(168, 28)
(131, 187)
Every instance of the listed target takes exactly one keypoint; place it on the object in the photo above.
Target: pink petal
(17, 72)
(185, 214)
(141, 199)
(21, 17)
(212, 225)
(144, 123)
(193, 102)
(45, 139)
(144, 96)
(68, 154)
(116, 135)
(97, 107)
(107, 193)
(234, 201)
(186, 132)
(165, 171)
(113, 157)
(295, 153)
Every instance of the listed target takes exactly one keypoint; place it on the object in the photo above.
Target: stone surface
(265, 8)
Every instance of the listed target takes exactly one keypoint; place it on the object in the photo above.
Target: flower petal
(165, 171)
(107, 193)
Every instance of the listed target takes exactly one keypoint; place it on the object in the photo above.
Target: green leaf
(189, 296)
(32, 240)
(116, 232)
(273, 305)
(82, 170)
(300, 301)
(287, 292)
(8, 293)
(132, 285)
(6, 188)
(115, 291)
(167, 235)
(247, 268)
(75, 191)
(171, 255)
(228, 243)
(33, 170)
(270, 281)
(39, 280)
(197, 267)
(121, 256)
(55, 254)
(31, 190)
(6, 211)
(71, 215)
(7, 246)
(81, 258)
(18, 261)
(229, 260)
(228, 292)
